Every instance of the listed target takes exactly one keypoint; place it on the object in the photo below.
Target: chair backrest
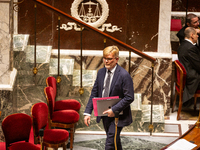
(180, 75)
(176, 25)
(51, 81)
(16, 127)
(39, 112)
(49, 92)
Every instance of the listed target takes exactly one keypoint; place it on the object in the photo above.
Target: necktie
(106, 89)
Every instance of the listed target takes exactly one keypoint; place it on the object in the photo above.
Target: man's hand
(87, 120)
(109, 112)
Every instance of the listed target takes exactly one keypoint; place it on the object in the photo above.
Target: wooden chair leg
(64, 146)
(71, 138)
(195, 102)
(174, 103)
(179, 107)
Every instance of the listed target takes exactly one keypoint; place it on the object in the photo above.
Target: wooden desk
(193, 134)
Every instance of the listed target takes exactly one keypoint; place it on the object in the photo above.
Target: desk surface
(193, 134)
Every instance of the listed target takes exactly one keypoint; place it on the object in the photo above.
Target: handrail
(98, 31)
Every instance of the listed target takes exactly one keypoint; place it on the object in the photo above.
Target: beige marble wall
(4, 43)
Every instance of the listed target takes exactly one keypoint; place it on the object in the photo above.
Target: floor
(132, 140)
(173, 129)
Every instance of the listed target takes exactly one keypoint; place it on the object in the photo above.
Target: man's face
(194, 23)
(110, 61)
(195, 37)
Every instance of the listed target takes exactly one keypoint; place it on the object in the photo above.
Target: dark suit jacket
(189, 56)
(122, 86)
(181, 36)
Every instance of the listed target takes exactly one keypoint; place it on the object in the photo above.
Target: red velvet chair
(53, 138)
(180, 84)
(62, 104)
(176, 25)
(16, 129)
(60, 118)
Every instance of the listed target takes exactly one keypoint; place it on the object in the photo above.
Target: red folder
(94, 100)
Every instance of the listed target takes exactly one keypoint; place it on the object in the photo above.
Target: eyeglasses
(108, 59)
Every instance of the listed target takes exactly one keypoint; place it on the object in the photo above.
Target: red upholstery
(178, 73)
(24, 146)
(67, 104)
(51, 81)
(176, 24)
(51, 100)
(62, 104)
(39, 113)
(180, 84)
(16, 128)
(62, 116)
(55, 136)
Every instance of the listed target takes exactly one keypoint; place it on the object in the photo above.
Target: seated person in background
(189, 57)
(191, 21)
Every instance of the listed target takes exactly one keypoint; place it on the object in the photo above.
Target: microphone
(116, 117)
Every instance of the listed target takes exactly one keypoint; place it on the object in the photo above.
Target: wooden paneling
(138, 17)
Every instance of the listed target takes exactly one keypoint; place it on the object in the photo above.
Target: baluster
(151, 122)
(58, 79)
(81, 90)
(129, 63)
(35, 70)
(104, 41)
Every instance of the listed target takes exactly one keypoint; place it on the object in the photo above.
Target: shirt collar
(113, 69)
(190, 41)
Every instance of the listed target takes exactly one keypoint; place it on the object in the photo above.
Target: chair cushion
(55, 136)
(24, 146)
(65, 116)
(67, 104)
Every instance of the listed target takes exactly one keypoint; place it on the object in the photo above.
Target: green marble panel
(88, 77)
(43, 54)
(20, 42)
(66, 66)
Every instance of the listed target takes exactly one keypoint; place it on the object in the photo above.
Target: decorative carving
(108, 27)
(91, 18)
(94, 18)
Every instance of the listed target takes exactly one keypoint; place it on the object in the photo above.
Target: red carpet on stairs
(31, 140)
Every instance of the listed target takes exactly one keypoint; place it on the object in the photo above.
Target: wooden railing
(98, 31)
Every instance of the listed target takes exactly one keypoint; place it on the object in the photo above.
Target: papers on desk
(182, 144)
(174, 57)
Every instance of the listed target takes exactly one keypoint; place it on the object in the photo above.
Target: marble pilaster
(5, 39)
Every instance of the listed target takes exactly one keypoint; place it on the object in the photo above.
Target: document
(182, 144)
(94, 100)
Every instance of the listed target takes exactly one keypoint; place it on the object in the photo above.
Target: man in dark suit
(192, 20)
(121, 85)
(189, 57)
